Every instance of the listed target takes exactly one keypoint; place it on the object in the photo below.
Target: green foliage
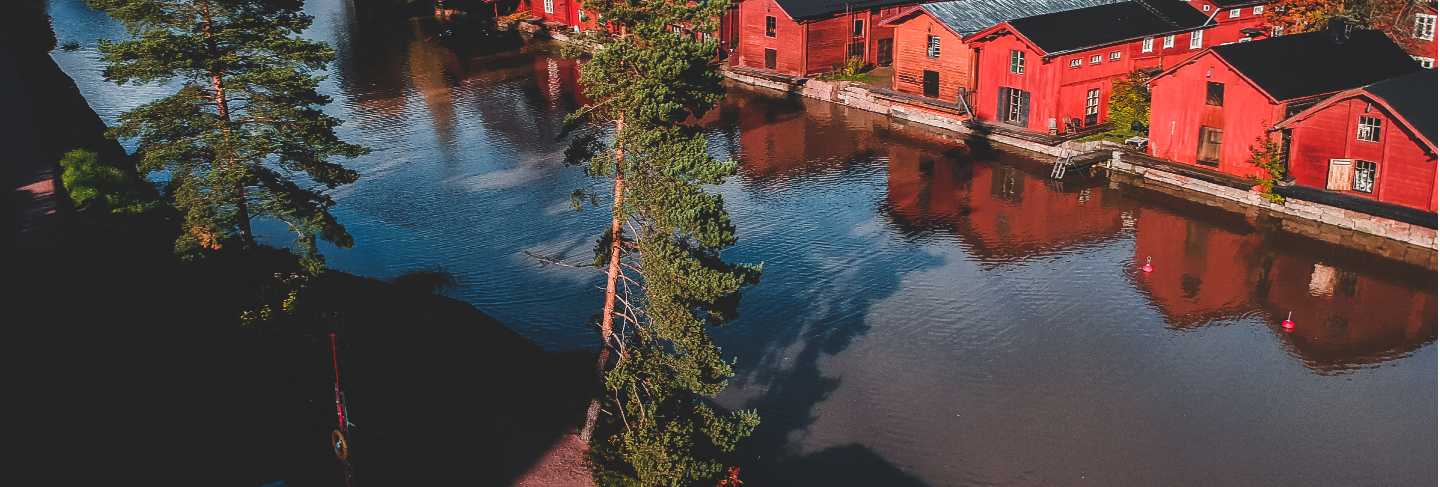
(661, 429)
(92, 184)
(243, 136)
(1129, 106)
(852, 70)
(1269, 156)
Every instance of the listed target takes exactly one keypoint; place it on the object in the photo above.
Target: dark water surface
(930, 313)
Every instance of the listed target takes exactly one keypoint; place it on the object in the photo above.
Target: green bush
(93, 184)
(1130, 106)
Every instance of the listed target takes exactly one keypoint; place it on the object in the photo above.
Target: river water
(931, 313)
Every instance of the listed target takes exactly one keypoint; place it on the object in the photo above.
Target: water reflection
(931, 313)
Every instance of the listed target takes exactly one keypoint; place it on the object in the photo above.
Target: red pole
(335, 363)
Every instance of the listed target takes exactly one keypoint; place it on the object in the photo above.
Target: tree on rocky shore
(666, 282)
(243, 137)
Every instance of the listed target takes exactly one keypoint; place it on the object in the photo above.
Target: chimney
(1339, 30)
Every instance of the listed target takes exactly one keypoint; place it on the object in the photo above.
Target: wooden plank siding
(955, 64)
(1405, 168)
(1178, 109)
(789, 41)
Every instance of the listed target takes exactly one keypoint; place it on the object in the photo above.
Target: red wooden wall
(1177, 110)
(1405, 170)
(954, 65)
(788, 43)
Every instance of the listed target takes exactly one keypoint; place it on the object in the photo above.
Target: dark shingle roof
(814, 9)
(969, 16)
(1301, 65)
(1105, 24)
(1413, 95)
(1224, 4)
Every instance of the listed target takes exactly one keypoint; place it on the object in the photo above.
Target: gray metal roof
(970, 16)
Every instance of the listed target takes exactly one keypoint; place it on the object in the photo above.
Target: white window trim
(1259, 9)
(1169, 41)
(1096, 59)
(1114, 55)
(1197, 39)
(932, 47)
(1277, 31)
(1147, 45)
(1425, 62)
(549, 6)
(1429, 33)
(1075, 63)
(1234, 12)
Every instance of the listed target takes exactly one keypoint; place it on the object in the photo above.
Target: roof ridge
(1145, 4)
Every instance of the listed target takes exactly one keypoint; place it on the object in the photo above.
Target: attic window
(1197, 39)
(1259, 9)
(1147, 45)
(769, 26)
(1095, 59)
(1425, 26)
(1075, 63)
(1368, 129)
(932, 46)
(1017, 62)
(1234, 12)
(1169, 41)
(1115, 56)
(1214, 94)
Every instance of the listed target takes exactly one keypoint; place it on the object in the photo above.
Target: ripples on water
(930, 313)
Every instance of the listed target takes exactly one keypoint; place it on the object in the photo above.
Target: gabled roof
(1077, 30)
(965, 17)
(1410, 98)
(1414, 99)
(815, 9)
(1301, 65)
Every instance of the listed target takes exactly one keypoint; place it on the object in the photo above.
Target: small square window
(1075, 63)
(1234, 12)
(1259, 9)
(1214, 94)
(1147, 45)
(1368, 129)
(1169, 41)
(1115, 56)
(1425, 26)
(1095, 59)
(1425, 62)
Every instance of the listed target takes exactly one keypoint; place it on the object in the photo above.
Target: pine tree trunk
(612, 276)
(222, 110)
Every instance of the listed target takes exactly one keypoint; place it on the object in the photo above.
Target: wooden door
(884, 52)
(932, 84)
(1342, 172)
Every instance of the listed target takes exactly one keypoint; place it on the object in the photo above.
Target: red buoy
(1288, 325)
(1147, 267)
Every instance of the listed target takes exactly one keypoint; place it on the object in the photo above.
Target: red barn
(554, 11)
(1053, 73)
(1376, 141)
(809, 37)
(1211, 109)
(931, 57)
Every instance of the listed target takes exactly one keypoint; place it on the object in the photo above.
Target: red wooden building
(1420, 22)
(1211, 109)
(1376, 142)
(810, 37)
(1053, 73)
(931, 57)
(1236, 20)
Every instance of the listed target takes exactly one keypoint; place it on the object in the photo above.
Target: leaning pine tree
(665, 279)
(244, 136)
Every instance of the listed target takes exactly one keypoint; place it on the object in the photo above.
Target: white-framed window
(1092, 103)
(1425, 62)
(1364, 176)
(1115, 55)
(1095, 59)
(932, 46)
(1234, 12)
(1368, 129)
(1147, 45)
(1197, 39)
(1277, 31)
(1169, 41)
(1259, 9)
(1425, 26)
(1075, 63)
(549, 6)
(1017, 62)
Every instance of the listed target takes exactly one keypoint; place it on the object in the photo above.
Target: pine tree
(243, 137)
(666, 282)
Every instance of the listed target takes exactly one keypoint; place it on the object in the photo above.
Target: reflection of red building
(558, 79)
(1347, 313)
(1002, 212)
